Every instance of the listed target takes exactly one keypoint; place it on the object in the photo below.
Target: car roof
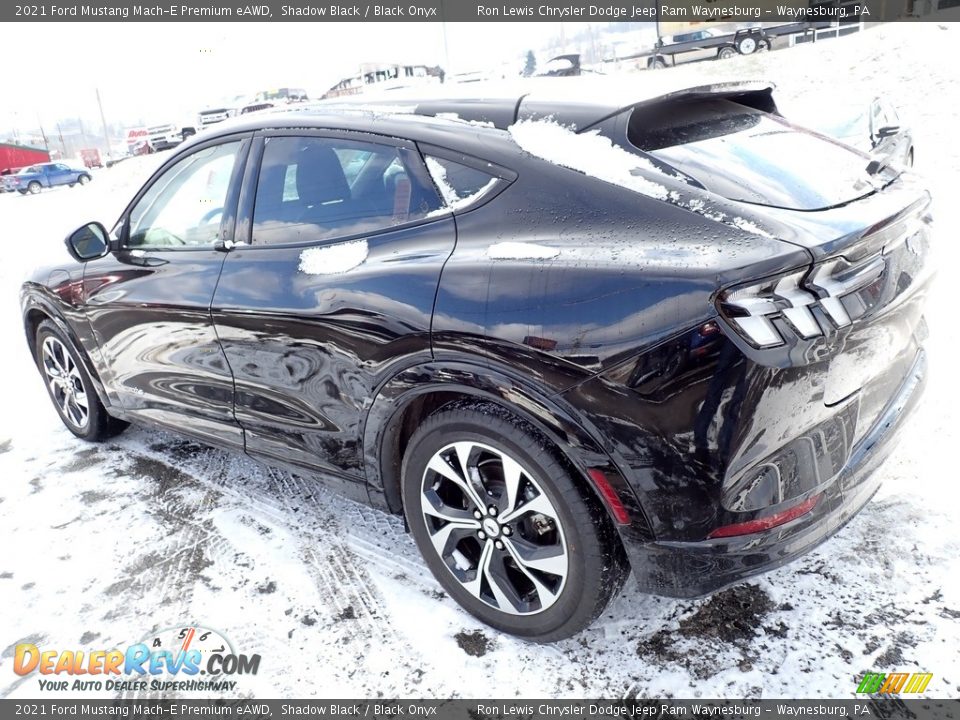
(417, 113)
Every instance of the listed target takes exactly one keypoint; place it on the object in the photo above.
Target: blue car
(34, 178)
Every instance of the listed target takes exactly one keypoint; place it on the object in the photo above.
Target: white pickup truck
(162, 137)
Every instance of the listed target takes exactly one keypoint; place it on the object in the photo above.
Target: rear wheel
(726, 53)
(73, 394)
(504, 527)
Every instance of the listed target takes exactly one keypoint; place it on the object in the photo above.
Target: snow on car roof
(576, 102)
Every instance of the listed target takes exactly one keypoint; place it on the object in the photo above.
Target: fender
(552, 416)
(39, 299)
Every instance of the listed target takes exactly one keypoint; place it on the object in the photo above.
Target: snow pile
(333, 259)
(589, 153)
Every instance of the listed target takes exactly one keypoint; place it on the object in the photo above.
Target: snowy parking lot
(104, 545)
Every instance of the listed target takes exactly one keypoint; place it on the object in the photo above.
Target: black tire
(84, 179)
(22, 192)
(658, 64)
(34, 187)
(594, 564)
(96, 425)
(910, 158)
(763, 45)
(725, 53)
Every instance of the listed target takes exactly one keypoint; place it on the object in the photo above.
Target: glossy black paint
(613, 348)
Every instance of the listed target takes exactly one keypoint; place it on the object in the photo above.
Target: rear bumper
(694, 569)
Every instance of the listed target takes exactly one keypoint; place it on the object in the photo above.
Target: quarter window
(313, 189)
(184, 207)
(458, 184)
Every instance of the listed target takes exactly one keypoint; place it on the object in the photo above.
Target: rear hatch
(858, 309)
(750, 156)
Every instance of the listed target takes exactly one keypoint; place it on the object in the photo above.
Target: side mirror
(888, 131)
(88, 242)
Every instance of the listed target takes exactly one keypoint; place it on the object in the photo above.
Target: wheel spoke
(543, 591)
(475, 585)
(432, 505)
(511, 478)
(550, 559)
(504, 594)
(539, 504)
(440, 466)
(441, 538)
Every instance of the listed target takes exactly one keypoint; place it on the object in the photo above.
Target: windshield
(751, 156)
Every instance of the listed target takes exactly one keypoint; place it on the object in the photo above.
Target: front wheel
(70, 388)
(83, 179)
(503, 526)
(34, 187)
(726, 53)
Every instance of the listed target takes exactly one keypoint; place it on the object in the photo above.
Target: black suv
(567, 339)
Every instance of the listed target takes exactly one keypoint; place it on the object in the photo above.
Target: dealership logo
(170, 659)
(894, 683)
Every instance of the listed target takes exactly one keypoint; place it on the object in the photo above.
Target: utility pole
(103, 119)
(46, 143)
(63, 146)
(446, 51)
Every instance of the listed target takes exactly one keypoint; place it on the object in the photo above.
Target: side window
(185, 204)
(458, 184)
(312, 189)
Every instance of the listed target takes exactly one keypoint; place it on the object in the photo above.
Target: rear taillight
(760, 311)
(766, 523)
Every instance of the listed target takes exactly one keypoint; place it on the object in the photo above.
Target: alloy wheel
(494, 527)
(66, 385)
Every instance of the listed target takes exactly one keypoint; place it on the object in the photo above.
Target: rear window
(748, 155)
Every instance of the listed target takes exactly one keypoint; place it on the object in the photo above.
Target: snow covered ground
(102, 545)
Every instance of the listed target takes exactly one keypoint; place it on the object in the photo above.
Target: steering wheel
(210, 215)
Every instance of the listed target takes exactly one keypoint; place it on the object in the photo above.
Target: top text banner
(762, 12)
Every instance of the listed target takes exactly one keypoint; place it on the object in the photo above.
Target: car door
(148, 301)
(64, 175)
(331, 291)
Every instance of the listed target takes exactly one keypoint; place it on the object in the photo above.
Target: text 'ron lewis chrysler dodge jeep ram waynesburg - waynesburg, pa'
(666, 332)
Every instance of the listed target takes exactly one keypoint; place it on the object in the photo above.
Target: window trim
(227, 222)
(504, 177)
(248, 195)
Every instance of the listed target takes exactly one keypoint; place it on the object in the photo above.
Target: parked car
(875, 129)
(47, 175)
(164, 137)
(672, 334)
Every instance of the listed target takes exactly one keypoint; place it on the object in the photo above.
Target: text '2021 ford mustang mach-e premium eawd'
(662, 332)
